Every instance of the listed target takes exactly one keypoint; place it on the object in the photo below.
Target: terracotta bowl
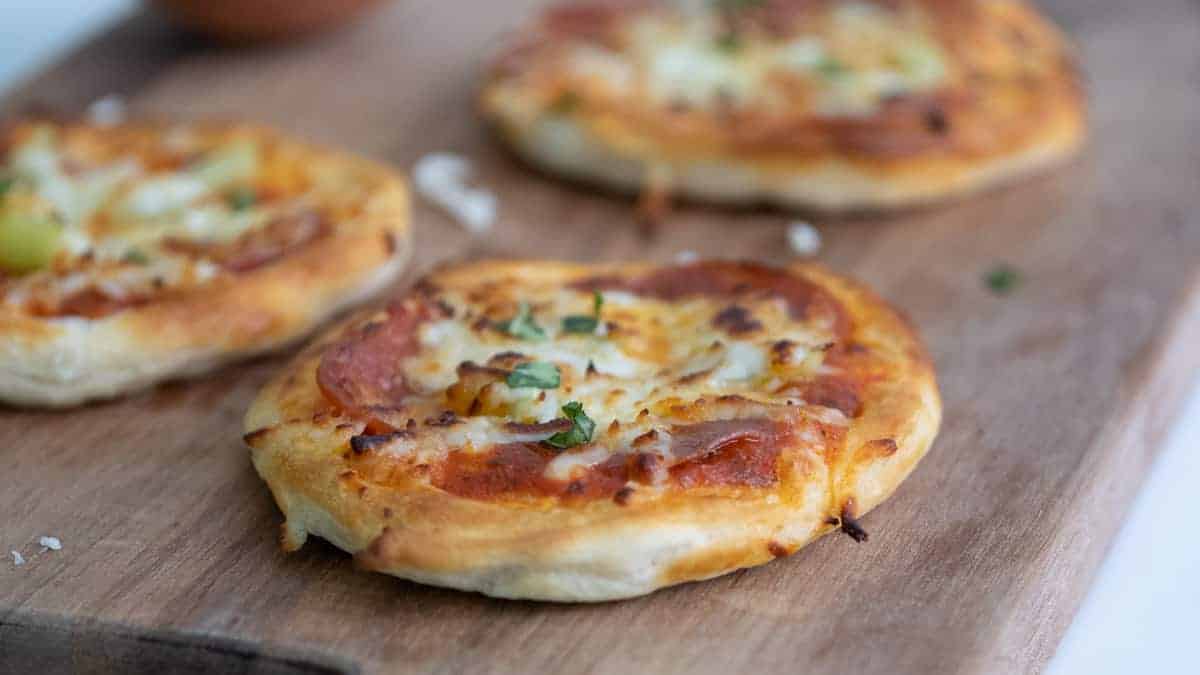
(259, 20)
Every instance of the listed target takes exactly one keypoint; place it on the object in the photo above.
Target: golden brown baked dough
(134, 253)
(501, 428)
(831, 104)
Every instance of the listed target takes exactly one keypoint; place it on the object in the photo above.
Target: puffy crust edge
(597, 550)
(64, 361)
(601, 148)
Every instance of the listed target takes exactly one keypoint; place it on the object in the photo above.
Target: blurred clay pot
(258, 20)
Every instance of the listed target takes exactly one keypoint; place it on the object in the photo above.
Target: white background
(1141, 615)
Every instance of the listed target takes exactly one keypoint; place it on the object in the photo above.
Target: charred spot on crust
(781, 351)
(389, 243)
(776, 549)
(643, 467)
(444, 308)
(363, 443)
(622, 497)
(881, 447)
(849, 524)
(446, 419)
(255, 436)
(936, 121)
(736, 320)
(648, 437)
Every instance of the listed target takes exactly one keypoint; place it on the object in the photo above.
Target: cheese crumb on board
(441, 177)
(107, 111)
(51, 543)
(18, 559)
(803, 238)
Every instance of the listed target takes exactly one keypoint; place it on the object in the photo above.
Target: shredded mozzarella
(803, 238)
(441, 177)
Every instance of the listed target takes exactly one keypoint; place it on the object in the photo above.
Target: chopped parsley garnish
(536, 374)
(522, 325)
(241, 198)
(830, 67)
(1002, 279)
(728, 42)
(581, 430)
(735, 5)
(566, 103)
(136, 256)
(577, 323)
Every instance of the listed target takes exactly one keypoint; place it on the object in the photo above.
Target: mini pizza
(577, 433)
(134, 253)
(826, 104)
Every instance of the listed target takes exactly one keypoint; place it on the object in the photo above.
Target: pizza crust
(64, 361)
(594, 550)
(1012, 125)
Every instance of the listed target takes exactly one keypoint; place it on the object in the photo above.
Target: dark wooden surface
(1056, 395)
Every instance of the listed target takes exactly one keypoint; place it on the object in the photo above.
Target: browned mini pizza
(831, 104)
(134, 253)
(580, 433)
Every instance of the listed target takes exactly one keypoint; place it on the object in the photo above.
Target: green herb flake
(830, 67)
(728, 42)
(1002, 279)
(535, 374)
(581, 430)
(522, 325)
(241, 198)
(577, 323)
(136, 256)
(736, 5)
(6, 183)
(566, 103)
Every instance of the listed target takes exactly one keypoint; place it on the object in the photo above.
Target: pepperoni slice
(805, 300)
(520, 469)
(361, 372)
(258, 247)
(728, 452)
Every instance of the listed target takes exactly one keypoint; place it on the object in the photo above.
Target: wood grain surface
(1056, 395)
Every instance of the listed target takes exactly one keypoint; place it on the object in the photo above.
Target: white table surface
(1139, 615)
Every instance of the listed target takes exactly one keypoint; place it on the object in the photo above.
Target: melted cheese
(115, 215)
(850, 57)
(662, 363)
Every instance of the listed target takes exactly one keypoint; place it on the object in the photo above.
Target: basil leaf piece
(535, 374)
(1002, 279)
(830, 68)
(577, 323)
(566, 103)
(241, 198)
(728, 42)
(735, 5)
(581, 431)
(522, 325)
(6, 183)
(136, 256)
(580, 324)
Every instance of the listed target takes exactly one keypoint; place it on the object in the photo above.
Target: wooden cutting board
(1057, 395)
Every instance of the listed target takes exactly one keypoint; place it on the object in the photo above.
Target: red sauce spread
(519, 469)
(89, 303)
(726, 452)
(805, 299)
